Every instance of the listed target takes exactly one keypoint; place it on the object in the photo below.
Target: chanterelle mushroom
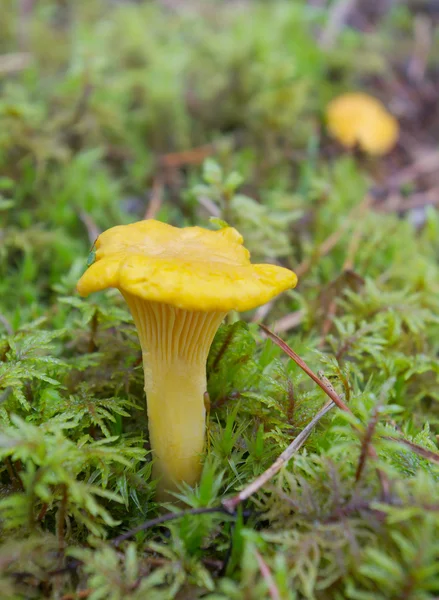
(179, 284)
(359, 119)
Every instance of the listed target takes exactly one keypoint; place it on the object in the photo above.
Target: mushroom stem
(175, 344)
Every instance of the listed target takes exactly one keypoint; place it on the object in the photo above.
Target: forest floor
(113, 112)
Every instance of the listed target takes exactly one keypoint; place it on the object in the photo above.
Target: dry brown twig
(425, 163)
(164, 519)
(14, 62)
(193, 156)
(329, 391)
(230, 504)
(77, 595)
(171, 161)
(268, 577)
(324, 249)
(156, 199)
(397, 202)
(332, 240)
(290, 321)
(262, 312)
(92, 229)
(419, 450)
(210, 206)
(367, 440)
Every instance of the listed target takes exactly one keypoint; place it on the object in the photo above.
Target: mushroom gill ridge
(175, 344)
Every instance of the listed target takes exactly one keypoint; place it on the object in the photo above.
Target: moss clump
(121, 110)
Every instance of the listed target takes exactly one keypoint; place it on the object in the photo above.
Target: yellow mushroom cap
(356, 118)
(191, 268)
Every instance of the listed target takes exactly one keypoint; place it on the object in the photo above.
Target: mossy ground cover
(111, 112)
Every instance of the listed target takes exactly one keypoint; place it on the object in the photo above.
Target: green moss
(86, 129)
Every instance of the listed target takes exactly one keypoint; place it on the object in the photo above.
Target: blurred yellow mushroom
(358, 119)
(179, 284)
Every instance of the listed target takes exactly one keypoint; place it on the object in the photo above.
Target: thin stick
(156, 200)
(14, 62)
(209, 205)
(164, 519)
(426, 163)
(430, 197)
(193, 156)
(268, 577)
(325, 247)
(77, 595)
(332, 240)
(367, 440)
(230, 504)
(329, 391)
(92, 229)
(290, 321)
(262, 312)
(419, 450)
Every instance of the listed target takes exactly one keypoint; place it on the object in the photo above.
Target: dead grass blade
(329, 390)
(230, 504)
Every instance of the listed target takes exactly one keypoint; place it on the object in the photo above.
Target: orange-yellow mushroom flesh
(359, 119)
(179, 284)
(175, 344)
